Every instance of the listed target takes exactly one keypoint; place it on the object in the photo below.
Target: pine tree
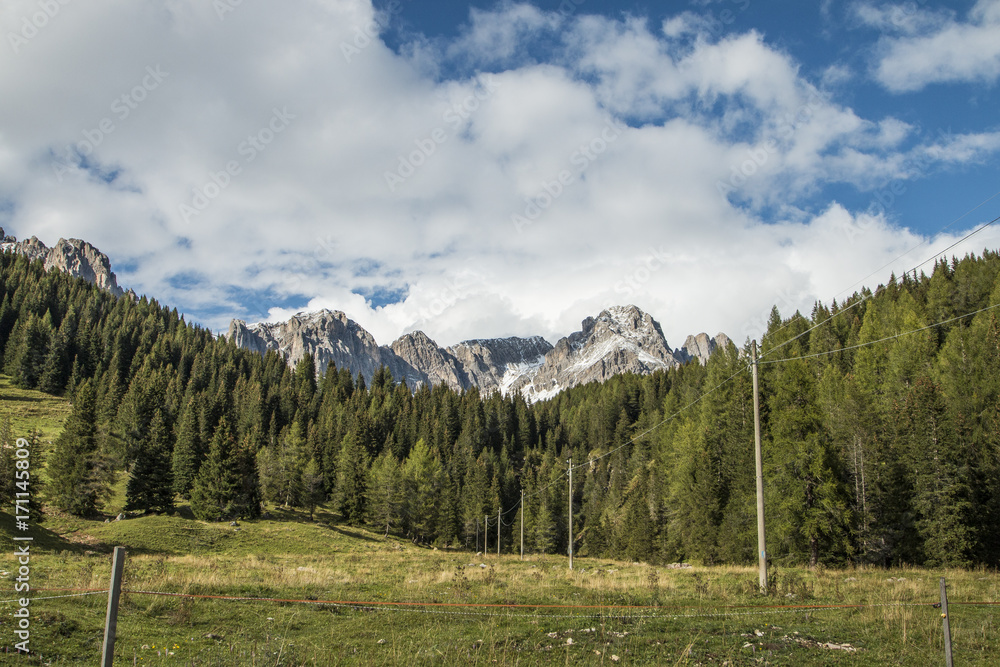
(30, 350)
(939, 476)
(150, 482)
(693, 497)
(385, 493)
(217, 489)
(811, 513)
(20, 475)
(545, 528)
(247, 504)
(282, 468)
(188, 452)
(422, 477)
(78, 471)
(313, 483)
(352, 478)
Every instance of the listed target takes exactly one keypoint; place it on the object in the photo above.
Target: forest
(880, 422)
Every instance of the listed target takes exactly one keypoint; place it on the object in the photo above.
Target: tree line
(874, 452)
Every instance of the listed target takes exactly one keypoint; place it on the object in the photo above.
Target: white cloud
(305, 215)
(906, 19)
(936, 47)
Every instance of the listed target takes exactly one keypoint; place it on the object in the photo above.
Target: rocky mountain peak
(621, 339)
(73, 256)
(701, 347)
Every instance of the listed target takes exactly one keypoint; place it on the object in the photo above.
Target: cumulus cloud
(935, 46)
(284, 158)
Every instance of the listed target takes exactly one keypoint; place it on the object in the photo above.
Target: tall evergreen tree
(352, 478)
(188, 451)
(422, 481)
(811, 514)
(150, 481)
(218, 487)
(313, 487)
(79, 473)
(385, 493)
(30, 349)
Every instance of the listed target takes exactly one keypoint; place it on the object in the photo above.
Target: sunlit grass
(626, 613)
(694, 615)
(32, 410)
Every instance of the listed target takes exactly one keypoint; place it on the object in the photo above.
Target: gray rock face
(622, 339)
(701, 347)
(329, 336)
(426, 363)
(333, 338)
(489, 361)
(73, 256)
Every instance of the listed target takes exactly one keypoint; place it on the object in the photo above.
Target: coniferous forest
(878, 448)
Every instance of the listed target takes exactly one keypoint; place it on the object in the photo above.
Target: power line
(661, 422)
(887, 265)
(783, 344)
(925, 242)
(882, 340)
(629, 442)
(871, 294)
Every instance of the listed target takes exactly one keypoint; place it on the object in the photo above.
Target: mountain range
(621, 339)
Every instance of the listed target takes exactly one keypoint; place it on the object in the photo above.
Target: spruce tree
(188, 452)
(385, 493)
(16, 479)
(352, 478)
(79, 473)
(811, 513)
(313, 493)
(217, 488)
(247, 503)
(422, 483)
(150, 482)
(30, 350)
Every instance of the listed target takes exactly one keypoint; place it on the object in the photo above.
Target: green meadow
(332, 594)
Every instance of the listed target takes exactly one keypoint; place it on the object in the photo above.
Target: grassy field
(326, 583)
(32, 410)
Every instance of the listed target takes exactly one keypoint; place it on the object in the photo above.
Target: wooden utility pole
(111, 620)
(571, 512)
(498, 533)
(759, 461)
(486, 533)
(522, 524)
(947, 624)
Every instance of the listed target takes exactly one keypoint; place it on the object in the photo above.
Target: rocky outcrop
(622, 339)
(492, 363)
(426, 363)
(73, 256)
(329, 336)
(701, 347)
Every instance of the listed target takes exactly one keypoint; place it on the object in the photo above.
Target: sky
(491, 169)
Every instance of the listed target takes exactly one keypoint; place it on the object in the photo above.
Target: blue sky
(486, 169)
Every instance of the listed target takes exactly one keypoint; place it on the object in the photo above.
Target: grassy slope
(289, 557)
(32, 409)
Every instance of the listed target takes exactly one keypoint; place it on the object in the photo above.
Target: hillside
(879, 425)
(331, 595)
